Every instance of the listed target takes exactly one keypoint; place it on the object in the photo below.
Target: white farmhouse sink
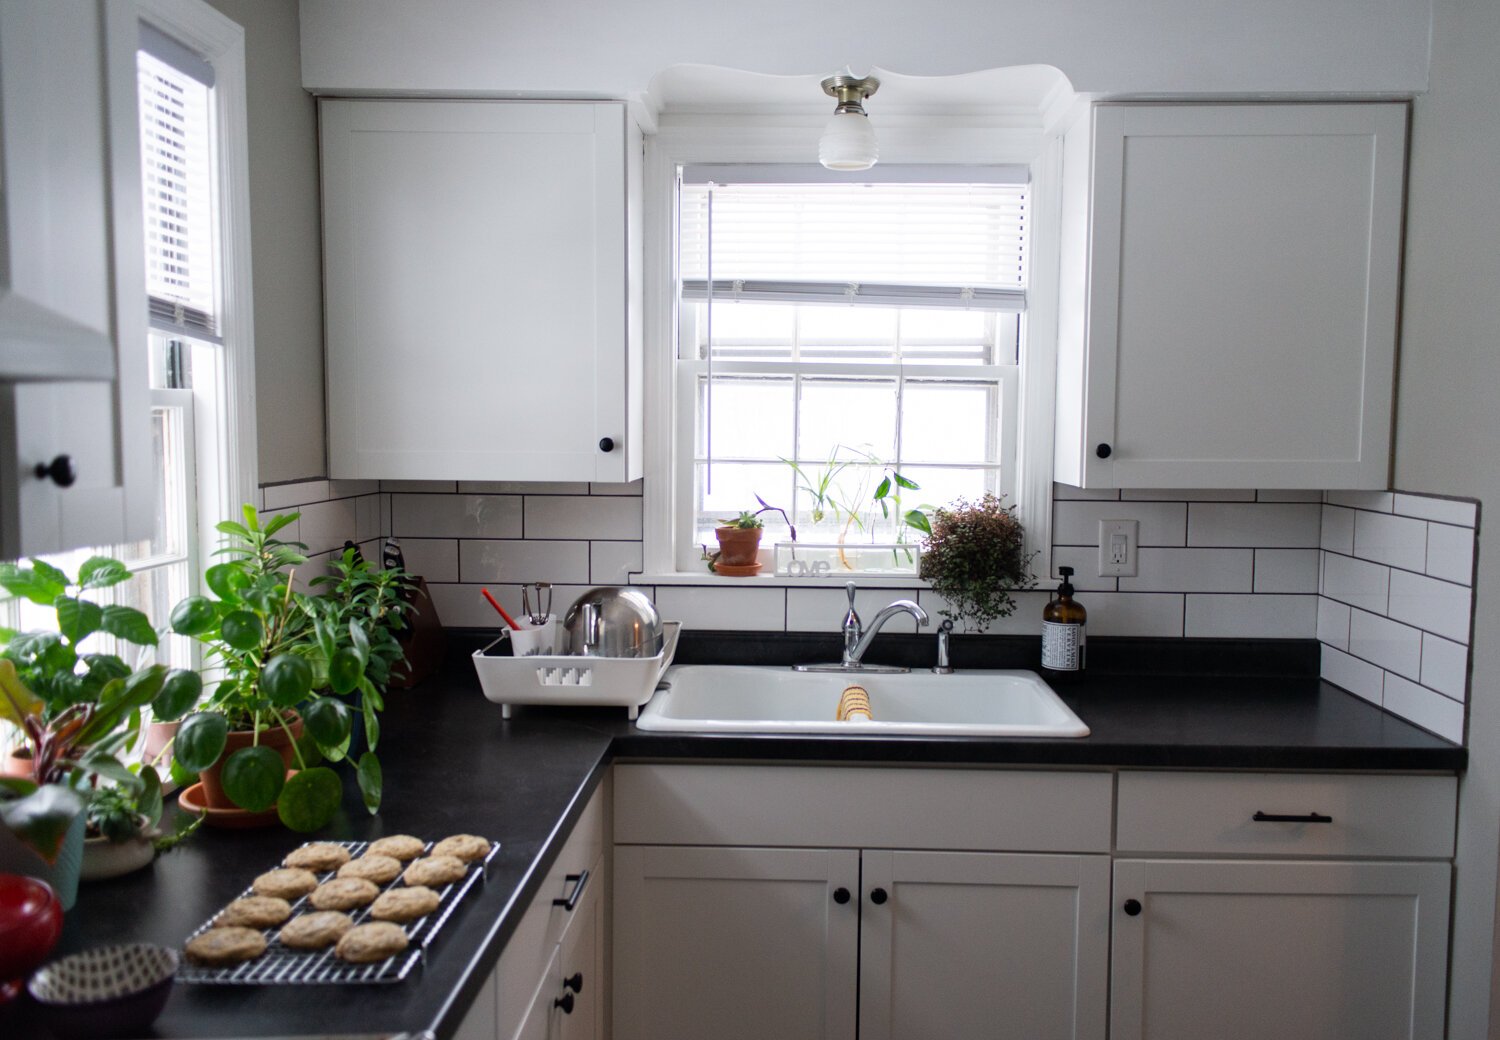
(743, 699)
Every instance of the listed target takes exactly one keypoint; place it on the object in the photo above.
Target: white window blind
(906, 245)
(178, 191)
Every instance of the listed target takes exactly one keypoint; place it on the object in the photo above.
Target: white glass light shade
(848, 142)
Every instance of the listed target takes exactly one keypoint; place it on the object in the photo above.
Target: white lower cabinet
(1243, 950)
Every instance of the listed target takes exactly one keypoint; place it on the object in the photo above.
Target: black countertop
(452, 764)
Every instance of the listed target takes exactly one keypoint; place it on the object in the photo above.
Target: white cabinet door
(477, 280)
(580, 981)
(1242, 287)
(1295, 950)
(482, 1022)
(1009, 947)
(735, 943)
(75, 448)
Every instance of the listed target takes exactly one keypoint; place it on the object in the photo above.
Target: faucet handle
(850, 589)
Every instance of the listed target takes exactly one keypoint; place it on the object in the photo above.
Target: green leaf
(286, 680)
(372, 722)
(311, 754)
(226, 580)
(128, 624)
(180, 776)
(253, 777)
(41, 818)
(230, 527)
(279, 521)
(200, 741)
(329, 722)
(326, 643)
(100, 572)
(47, 573)
(148, 803)
(109, 767)
(910, 485)
(345, 669)
(883, 489)
(310, 799)
(369, 777)
(242, 630)
(251, 515)
(361, 642)
(918, 519)
(24, 581)
(77, 619)
(193, 616)
(179, 692)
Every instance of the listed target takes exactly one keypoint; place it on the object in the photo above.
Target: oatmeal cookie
(219, 946)
(371, 942)
(397, 846)
(405, 904)
(254, 912)
(466, 847)
(319, 856)
(372, 867)
(344, 894)
(285, 883)
(315, 930)
(435, 870)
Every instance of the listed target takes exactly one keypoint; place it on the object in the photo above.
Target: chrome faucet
(943, 666)
(857, 638)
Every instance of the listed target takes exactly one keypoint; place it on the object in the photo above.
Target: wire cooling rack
(282, 965)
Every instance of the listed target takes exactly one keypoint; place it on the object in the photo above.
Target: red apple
(31, 920)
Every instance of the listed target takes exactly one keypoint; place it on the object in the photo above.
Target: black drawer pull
(1132, 907)
(1312, 817)
(574, 982)
(570, 901)
(565, 1002)
(841, 895)
(878, 896)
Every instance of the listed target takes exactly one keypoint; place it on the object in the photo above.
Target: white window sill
(778, 581)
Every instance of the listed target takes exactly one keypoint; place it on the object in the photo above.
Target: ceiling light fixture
(848, 141)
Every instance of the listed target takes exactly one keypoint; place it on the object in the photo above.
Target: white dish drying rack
(611, 682)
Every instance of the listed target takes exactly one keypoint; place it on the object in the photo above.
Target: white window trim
(224, 375)
(749, 142)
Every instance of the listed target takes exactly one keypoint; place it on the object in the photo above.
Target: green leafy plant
(975, 556)
(746, 521)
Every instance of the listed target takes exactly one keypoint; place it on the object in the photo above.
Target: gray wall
(285, 241)
(1447, 421)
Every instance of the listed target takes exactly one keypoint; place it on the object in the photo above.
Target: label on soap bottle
(1062, 646)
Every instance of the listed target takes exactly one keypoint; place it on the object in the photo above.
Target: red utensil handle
(496, 604)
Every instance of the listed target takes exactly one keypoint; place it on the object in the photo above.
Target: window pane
(940, 486)
(850, 414)
(751, 323)
(947, 422)
(735, 485)
(752, 418)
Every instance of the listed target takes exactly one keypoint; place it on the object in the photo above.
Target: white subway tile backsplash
(352, 488)
(1077, 523)
(517, 562)
(385, 514)
(1360, 678)
(746, 609)
(325, 526)
(822, 610)
(1131, 614)
(1443, 510)
(1450, 553)
(1286, 570)
(455, 516)
(577, 517)
(1398, 541)
(1333, 623)
(1191, 570)
(1379, 501)
(279, 498)
(612, 563)
(1338, 530)
(1186, 495)
(1445, 666)
(1427, 709)
(463, 606)
(1358, 583)
(1084, 559)
(367, 518)
(1282, 525)
(1435, 606)
(1251, 616)
(520, 487)
(1390, 644)
(1024, 620)
(435, 559)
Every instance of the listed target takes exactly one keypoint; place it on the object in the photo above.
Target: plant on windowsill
(279, 651)
(974, 558)
(739, 546)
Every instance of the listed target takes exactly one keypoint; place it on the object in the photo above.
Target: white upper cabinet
(1229, 295)
(75, 451)
(482, 290)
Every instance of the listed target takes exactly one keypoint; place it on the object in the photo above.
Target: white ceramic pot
(103, 858)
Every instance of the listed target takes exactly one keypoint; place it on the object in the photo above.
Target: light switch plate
(1119, 546)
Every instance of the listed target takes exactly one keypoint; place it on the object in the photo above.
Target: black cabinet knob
(1133, 907)
(606, 444)
(574, 982)
(60, 471)
(841, 896)
(878, 896)
(1104, 451)
(565, 1002)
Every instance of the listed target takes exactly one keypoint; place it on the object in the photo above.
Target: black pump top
(1066, 588)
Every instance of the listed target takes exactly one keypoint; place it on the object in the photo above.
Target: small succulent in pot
(974, 558)
(739, 546)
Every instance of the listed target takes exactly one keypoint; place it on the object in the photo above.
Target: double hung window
(832, 334)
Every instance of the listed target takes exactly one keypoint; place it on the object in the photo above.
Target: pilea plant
(975, 556)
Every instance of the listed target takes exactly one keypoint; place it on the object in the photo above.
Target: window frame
(906, 141)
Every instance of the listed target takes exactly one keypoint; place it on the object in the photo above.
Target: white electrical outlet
(1119, 541)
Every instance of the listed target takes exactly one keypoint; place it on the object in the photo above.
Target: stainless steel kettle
(613, 622)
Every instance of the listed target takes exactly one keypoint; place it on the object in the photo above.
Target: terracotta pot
(17, 764)
(274, 738)
(739, 551)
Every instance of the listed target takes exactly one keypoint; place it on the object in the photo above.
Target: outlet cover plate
(1119, 548)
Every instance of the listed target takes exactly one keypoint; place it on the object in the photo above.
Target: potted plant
(974, 557)
(275, 647)
(739, 546)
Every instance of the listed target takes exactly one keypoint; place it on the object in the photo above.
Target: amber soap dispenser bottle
(1063, 637)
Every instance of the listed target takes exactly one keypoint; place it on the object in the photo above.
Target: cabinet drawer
(1216, 813)
(835, 806)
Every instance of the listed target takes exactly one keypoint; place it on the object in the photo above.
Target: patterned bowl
(109, 991)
